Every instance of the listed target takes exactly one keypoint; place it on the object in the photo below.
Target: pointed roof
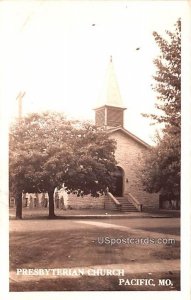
(110, 93)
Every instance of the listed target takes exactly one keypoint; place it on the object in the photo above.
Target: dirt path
(129, 229)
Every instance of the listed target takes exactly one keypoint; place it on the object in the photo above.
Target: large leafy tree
(168, 79)
(46, 150)
(161, 172)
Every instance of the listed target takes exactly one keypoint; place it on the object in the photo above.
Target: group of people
(59, 201)
(35, 200)
(41, 200)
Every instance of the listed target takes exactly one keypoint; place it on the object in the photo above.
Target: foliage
(47, 150)
(168, 78)
(161, 171)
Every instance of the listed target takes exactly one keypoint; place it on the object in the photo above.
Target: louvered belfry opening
(100, 117)
(109, 116)
(114, 116)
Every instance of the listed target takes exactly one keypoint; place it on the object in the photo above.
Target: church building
(128, 194)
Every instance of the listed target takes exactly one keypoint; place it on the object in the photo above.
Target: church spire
(110, 93)
(109, 111)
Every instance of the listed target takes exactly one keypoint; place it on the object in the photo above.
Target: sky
(57, 52)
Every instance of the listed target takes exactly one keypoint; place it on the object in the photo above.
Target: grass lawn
(79, 247)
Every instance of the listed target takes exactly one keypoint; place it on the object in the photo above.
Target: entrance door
(117, 190)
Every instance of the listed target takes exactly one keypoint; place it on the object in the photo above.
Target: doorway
(117, 190)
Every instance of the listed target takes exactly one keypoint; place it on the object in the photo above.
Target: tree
(161, 171)
(168, 79)
(46, 150)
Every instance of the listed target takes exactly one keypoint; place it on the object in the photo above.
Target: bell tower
(109, 112)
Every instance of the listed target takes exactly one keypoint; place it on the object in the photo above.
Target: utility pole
(19, 196)
(20, 104)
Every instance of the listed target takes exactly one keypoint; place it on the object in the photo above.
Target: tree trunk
(18, 199)
(51, 204)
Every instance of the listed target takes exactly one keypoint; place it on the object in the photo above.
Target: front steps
(126, 205)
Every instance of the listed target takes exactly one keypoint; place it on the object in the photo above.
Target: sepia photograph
(92, 118)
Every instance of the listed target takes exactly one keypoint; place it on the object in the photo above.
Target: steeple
(110, 109)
